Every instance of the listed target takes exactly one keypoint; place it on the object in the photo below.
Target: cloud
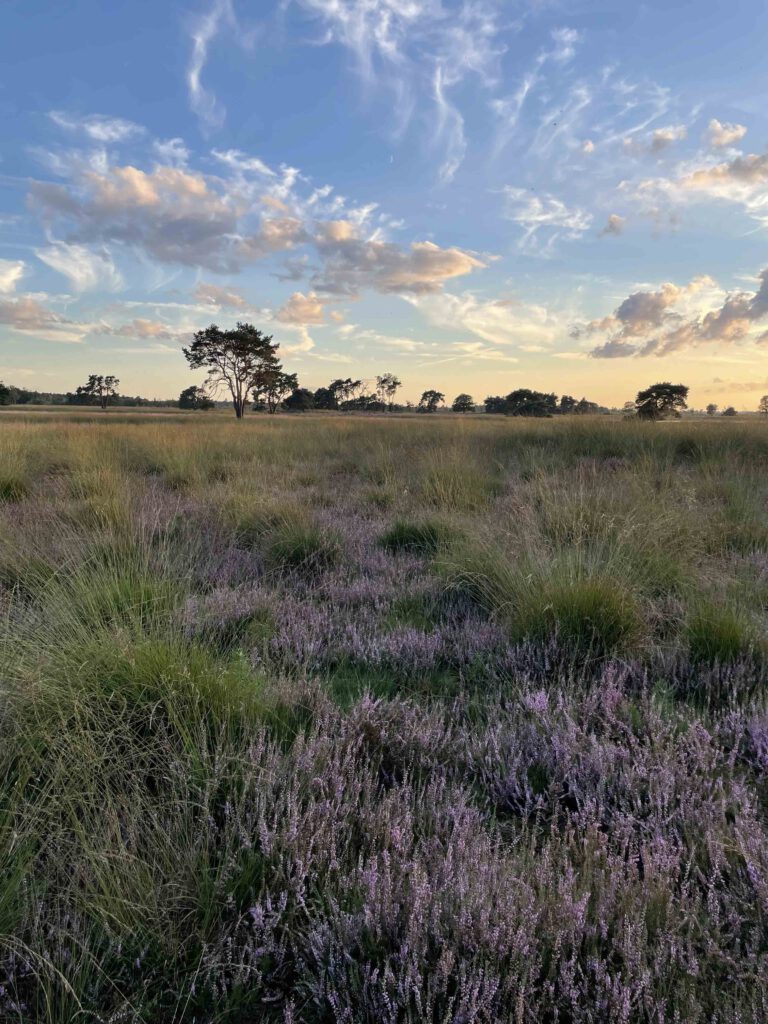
(449, 126)
(215, 295)
(742, 180)
(544, 214)
(614, 225)
(204, 103)
(499, 322)
(721, 134)
(745, 386)
(176, 216)
(98, 127)
(173, 215)
(85, 269)
(420, 52)
(26, 313)
(301, 309)
(662, 138)
(351, 263)
(655, 142)
(674, 319)
(11, 272)
(171, 152)
(139, 328)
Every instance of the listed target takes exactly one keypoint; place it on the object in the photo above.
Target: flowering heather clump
(291, 774)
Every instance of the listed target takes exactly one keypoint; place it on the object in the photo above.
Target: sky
(476, 195)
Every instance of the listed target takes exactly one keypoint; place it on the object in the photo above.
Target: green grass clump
(13, 486)
(719, 634)
(297, 545)
(595, 617)
(421, 537)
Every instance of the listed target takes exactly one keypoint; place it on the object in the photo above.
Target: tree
(711, 409)
(585, 408)
(325, 398)
(524, 402)
(386, 388)
(568, 404)
(730, 411)
(495, 404)
(300, 400)
(97, 390)
(763, 405)
(430, 400)
(234, 359)
(463, 403)
(195, 397)
(6, 394)
(271, 385)
(660, 400)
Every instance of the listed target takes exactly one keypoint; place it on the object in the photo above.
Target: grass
(423, 537)
(274, 695)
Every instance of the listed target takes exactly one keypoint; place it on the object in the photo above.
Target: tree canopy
(272, 385)
(463, 403)
(194, 397)
(430, 400)
(387, 385)
(97, 390)
(660, 400)
(235, 359)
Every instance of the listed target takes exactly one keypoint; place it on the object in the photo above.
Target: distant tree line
(524, 402)
(243, 362)
(11, 394)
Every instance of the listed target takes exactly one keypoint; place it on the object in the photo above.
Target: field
(337, 719)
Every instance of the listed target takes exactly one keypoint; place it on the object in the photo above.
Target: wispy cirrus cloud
(98, 127)
(544, 219)
(502, 322)
(86, 269)
(420, 52)
(204, 102)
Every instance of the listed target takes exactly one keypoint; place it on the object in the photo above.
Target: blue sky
(476, 195)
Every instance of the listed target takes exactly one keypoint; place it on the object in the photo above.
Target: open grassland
(384, 720)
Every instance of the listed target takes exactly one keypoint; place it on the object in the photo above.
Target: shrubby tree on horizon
(660, 400)
(729, 411)
(711, 409)
(430, 400)
(272, 385)
(525, 402)
(387, 385)
(463, 403)
(234, 359)
(194, 397)
(97, 390)
(762, 406)
(300, 400)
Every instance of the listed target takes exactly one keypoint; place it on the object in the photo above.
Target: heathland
(383, 719)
